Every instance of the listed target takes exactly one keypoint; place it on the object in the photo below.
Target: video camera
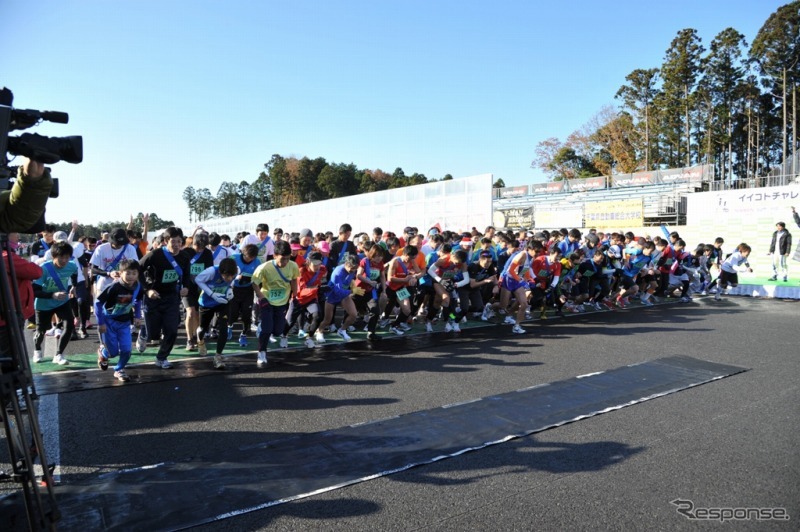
(47, 150)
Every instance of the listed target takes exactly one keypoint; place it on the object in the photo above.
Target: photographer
(23, 205)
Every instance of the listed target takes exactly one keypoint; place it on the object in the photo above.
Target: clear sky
(172, 93)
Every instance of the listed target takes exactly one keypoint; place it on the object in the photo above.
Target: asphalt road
(727, 444)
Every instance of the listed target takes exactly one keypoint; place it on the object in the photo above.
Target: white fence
(457, 204)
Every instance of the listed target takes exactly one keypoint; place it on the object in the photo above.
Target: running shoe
(302, 334)
(60, 360)
(120, 375)
(428, 327)
(510, 321)
(242, 340)
(272, 339)
(202, 350)
(37, 356)
(310, 343)
(456, 328)
(405, 326)
(230, 333)
(284, 342)
(448, 327)
(319, 337)
(163, 364)
(102, 358)
(344, 335)
(516, 329)
(219, 363)
(397, 330)
(141, 343)
(262, 359)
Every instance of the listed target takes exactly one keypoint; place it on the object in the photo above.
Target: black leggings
(43, 317)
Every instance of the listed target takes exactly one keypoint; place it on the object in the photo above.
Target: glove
(358, 291)
(448, 285)
(220, 298)
(263, 303)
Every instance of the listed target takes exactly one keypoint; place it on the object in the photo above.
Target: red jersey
(544, 270)
(308, 283)
(373, 272)
(400, 271)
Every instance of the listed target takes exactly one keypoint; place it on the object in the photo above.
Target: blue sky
(169, 94)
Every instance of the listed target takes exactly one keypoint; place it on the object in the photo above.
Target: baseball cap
(59, 236)
(485, 253)
(306, 232)
(119, 236)
(324, 247)
(409, 231)
(314, 256)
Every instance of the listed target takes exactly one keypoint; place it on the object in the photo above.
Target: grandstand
(662, 203)
(661, 195)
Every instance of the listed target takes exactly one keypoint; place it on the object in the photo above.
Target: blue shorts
(513, 285)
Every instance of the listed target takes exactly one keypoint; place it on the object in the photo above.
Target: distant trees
(287, 181)
(154, 224)
(723, 105)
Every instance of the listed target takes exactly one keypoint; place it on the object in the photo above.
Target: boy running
(215, 286)
(274, 282)
(113, 309)
(52, 292)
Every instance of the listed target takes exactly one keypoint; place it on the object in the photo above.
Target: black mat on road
(179, 495)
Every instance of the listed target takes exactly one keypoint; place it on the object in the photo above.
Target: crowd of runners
(276, 284)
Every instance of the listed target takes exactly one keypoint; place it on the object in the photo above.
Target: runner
(114, 307)
(165, 270)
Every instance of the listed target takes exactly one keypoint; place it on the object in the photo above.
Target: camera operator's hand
(33, 169)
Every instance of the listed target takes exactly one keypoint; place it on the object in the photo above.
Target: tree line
(154, 224)
(287, 181)
(728, 105)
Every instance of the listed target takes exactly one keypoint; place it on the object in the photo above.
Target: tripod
(18, 404)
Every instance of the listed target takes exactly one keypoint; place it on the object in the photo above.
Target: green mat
(84, 361)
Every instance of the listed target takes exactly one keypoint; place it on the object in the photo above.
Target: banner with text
(521, 218)
(556, 219)
(613, 214)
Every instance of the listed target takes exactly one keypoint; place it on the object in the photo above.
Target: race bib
(197, 268)
(448, 274)
(276, 295)
(374, 274)
(403, 294)
(170, 276)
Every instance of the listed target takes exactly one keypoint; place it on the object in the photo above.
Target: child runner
(399, 278)
(52, 292)
(274, 282)
(215, 293)
(340, 293)
(242, 303)
(444, 272)
(306, 301)
(728, 270)
(372, 279)
(199, 259)
(113, 309)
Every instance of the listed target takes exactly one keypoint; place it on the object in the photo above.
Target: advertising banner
(635, 180)
(514, 218)
(546, 188)
(614, 214)
(589, 183)
(514, 192)
(556, 219)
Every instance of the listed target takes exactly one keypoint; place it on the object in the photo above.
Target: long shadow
(199, 489)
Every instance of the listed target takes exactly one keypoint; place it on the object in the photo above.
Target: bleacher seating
(662, 203)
